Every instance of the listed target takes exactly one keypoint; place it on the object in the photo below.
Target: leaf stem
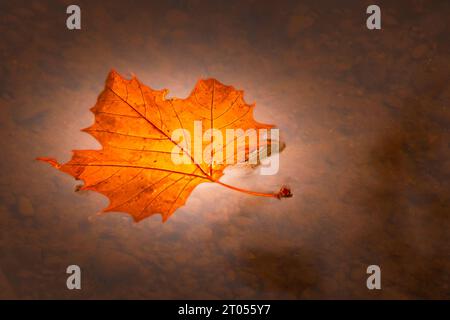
(255, 193)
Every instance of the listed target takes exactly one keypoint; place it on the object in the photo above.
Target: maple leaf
(134, 125)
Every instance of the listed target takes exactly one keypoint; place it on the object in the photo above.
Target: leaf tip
(137, 219)
(50, 161)
(165, 217)
(113, 72)
(285, 192)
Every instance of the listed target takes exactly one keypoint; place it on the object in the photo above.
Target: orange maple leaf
(134, 125)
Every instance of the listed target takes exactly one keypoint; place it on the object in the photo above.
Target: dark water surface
(365, 116)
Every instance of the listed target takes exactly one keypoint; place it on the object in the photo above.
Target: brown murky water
(365, 116)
